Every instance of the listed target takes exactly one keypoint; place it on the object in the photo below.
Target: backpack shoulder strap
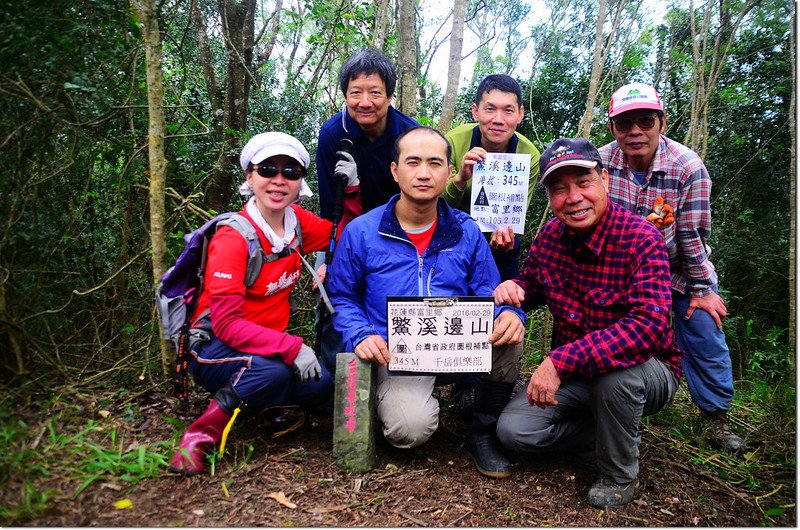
(299, 232)
(255, 254)
(298, 239)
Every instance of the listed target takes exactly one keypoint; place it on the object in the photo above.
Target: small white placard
(440, 335)
(500, 191)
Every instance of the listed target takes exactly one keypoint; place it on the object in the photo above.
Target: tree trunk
(617, 40)
(486, 32)
(793, 203)
(145, 12)
(274, 28)
(708, 60)
(585, 127)
(381, 24)
(8, 337)
(207, 62)
(407, 56)
(238, 29)
(453, 66)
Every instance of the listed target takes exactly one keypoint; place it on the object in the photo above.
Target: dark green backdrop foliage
(72, 214)
(75, 276)
(748, 157)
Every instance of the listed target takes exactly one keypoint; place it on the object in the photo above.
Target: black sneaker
(462, 398)
(488, 458)
(605, 493)
(720, 433)
(280, 420)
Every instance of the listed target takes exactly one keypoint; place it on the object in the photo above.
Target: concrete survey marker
(354, 413)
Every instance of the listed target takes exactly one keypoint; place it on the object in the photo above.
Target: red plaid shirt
(677, 174)
(609, 295)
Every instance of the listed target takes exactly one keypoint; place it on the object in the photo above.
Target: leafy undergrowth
(99, 459)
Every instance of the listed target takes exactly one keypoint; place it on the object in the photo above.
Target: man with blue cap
(603, 273)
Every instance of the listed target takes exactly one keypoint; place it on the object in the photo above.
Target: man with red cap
(652, 175)
(603, 273)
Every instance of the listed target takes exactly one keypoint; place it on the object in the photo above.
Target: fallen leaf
(225, 490)
(281, 498)
(198, 512)
(123, 504)
(104, 413)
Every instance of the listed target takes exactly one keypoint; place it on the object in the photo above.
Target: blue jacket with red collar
(375, 259)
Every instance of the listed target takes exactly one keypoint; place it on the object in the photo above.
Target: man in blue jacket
(417, 245)
(368, 119)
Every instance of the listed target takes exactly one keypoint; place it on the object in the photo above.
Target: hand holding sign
(503, 239)
(373, 349)
(500, 191)
(471, 157)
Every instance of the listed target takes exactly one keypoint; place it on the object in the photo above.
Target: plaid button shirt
(678, 175)
(609, 295)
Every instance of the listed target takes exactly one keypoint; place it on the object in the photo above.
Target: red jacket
(253, 320)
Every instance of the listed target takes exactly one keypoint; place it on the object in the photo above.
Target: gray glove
(306, 365)
(346, 168)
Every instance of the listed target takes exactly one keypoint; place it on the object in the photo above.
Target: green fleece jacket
(461, 139)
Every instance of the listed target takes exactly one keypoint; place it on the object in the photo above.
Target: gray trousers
(602, 415)
(407, 410)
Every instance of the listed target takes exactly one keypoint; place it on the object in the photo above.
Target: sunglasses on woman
(644, 123)
(271, 170)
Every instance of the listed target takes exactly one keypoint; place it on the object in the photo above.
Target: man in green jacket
(498, 110)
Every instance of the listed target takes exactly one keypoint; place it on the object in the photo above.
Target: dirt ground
(292, 481)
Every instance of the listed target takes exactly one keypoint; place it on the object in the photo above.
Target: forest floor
(292, 481)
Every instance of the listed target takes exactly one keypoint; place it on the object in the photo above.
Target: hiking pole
(340, 180)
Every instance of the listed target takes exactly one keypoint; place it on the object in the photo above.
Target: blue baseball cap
(568, 152)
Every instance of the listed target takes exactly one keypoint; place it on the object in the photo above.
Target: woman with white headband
(248, 361)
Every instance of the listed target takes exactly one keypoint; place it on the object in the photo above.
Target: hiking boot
(462, 397)
(198, 439)
(280, 420)
(487, 456)
(720, 432)
(605, 493)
